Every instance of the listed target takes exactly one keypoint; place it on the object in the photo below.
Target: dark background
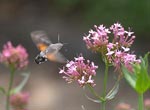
(71, 19)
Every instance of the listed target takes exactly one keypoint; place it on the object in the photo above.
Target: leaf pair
(139, 79)
(19, 87)
(111, 94)
(22, 83)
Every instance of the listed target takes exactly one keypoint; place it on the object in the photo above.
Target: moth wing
(56, 57)
(50, 50)
(40, 39)
(52, 53)
(53, 48)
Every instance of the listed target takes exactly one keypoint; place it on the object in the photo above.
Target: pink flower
(123, 106)
(122, 36)
(118, 30)
(98, 39)
(79, 70)
(16, 56)
(147, 103)
(19, 101)
(129, 59)
(120, 55)
(115, 48)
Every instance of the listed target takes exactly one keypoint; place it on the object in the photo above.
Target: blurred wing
(53, 48)
(56, 57)
(50, 50)
(41, 39)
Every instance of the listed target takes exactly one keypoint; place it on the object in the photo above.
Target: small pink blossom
(16, 56)
(129, 59)
(125, 49)
(79, 70)
(109, 52)
(19, 101)
(123, 106)
(147, 103)
(117, 29)
(110, 45)
(129, 33)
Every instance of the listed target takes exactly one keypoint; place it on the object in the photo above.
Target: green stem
(12, 71)
(94, 93)
(140, 102)
(105, 85)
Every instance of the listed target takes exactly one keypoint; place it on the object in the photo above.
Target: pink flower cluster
(16, 56)
(19, 101)
(79, 70)
(117, 55)
(97, 40)
(115, 48)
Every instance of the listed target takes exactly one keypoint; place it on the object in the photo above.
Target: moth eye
(36, 61)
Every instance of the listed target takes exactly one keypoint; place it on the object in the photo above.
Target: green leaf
(142, 83)
(130, 77)
(98, 98)
(139, 79)
(146, 59)
(22, 84)
(93, 100)
(143, 79)
(2, 90)
(112, 93)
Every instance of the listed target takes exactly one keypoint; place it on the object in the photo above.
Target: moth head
(40, 59)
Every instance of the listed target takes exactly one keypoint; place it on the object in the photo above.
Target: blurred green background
(71, 19)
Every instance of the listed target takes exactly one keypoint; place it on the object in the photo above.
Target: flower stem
(140, 102)
(105, 85)
(12, 71)
(94, 93)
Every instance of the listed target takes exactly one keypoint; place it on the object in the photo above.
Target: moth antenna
(58, 38)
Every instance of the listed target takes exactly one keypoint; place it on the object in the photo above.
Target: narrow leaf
(93, 100)
(22, 84)
(2, 90)
(143, 79)
(130, 77)
(83, 108)
(146, 59)
(112, 93)
(98, 100)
